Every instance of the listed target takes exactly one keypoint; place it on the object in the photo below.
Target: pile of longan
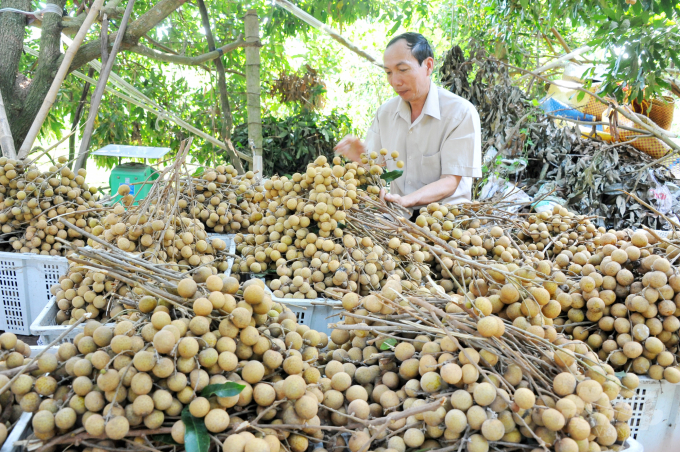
(31, 199)
(500, 404)
(141, 370)
(301, 233)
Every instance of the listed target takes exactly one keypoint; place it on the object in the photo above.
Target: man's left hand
(397, 199)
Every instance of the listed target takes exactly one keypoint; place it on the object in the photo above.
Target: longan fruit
(359, 408)
(484, 394)
(493, 429)
(217, 420)
(294, 387)
(253, 372)
(413, 437)
(564, 384)
(306, 407)
(477, 443)
(553, 419)
(525, 398)
(95, 424)
(589, 390)
(117, 428)
(234, 443)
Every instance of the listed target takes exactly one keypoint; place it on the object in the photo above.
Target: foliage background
(636, 42)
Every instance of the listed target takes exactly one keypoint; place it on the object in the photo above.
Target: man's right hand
(350, 147)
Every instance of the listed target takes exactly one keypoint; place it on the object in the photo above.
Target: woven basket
(662, 111)
(594, 107)
(649, 145)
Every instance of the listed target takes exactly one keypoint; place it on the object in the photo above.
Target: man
(436, 133)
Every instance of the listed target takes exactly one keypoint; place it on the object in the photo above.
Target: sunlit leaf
(228, 389)
(196, 438)
(388, 344)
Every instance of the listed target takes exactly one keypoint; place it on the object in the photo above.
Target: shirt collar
(431, 107)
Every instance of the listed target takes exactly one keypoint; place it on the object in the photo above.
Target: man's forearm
(434, 192)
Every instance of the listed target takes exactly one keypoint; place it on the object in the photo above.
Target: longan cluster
(30, 200)
(224, 201)
(14, 354)
(630, 291)
(301, 234)
(559, 268)
(489, 398)
(155, 359)
(179, 241)
(84, 290)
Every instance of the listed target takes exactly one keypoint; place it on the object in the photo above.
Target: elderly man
(436, 133)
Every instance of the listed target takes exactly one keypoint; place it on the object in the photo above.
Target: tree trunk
(23, 97)
(12, 30)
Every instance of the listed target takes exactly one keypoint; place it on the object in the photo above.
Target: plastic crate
(45, 326)
(25, 281)
(315, 313)
(231, 248)
(655, 409)
(22, 429)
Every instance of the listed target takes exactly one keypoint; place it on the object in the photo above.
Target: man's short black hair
(419, 45)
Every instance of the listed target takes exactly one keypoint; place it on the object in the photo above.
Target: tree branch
(135, 31)
(191, 61)
(99, 90)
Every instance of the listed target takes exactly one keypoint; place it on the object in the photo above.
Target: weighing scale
(132, 174)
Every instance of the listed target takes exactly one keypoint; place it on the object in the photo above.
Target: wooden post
(252, 25)
(6, 140)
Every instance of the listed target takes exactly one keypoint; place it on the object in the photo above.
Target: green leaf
(200, 170)
(620, 375)
(228, 389)
(391, 175)
(165, 439)
(388, 344)
(196, 437)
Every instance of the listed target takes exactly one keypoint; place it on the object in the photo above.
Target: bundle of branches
(157, 234)
(451, 376)
(32, 200)
(306, 90)
(586, 173)
(221, 199)
(318, 230)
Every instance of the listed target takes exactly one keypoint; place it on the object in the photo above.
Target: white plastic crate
(22, 429)
(655, 409)
(46, 326)
(315, 313)
(25, 281)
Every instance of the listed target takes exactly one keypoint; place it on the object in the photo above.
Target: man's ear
(429, 63)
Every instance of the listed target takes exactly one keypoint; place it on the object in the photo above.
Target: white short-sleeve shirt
(444, 140)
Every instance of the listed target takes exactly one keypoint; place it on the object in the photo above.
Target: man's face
(408, 78)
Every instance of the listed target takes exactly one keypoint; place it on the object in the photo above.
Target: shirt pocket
(430, 168)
